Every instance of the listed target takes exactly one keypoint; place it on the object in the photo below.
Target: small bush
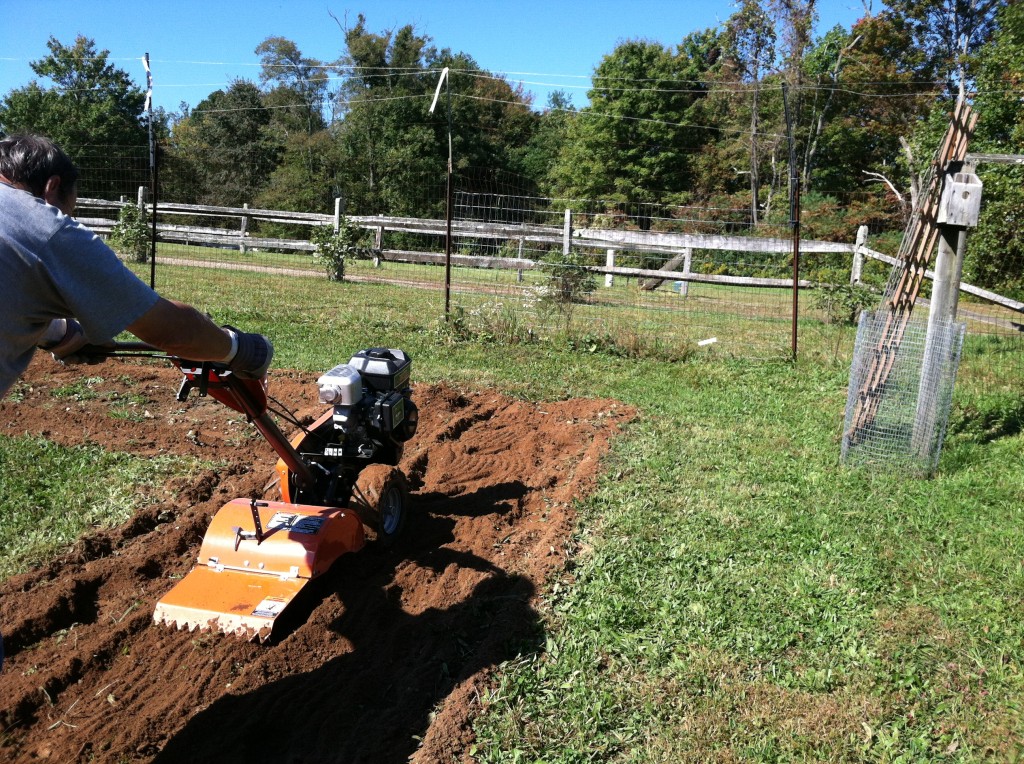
(568, 282)
(843, 303)
(333, 247)
(130, 234)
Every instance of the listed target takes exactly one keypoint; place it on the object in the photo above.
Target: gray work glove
(253, 356)
(62, 339)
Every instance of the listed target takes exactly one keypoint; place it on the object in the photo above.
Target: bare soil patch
(382, 660)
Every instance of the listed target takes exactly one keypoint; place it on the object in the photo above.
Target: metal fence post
(567, 233)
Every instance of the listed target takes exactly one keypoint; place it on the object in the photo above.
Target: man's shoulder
(20, 212)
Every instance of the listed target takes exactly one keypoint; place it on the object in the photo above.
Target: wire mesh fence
(901, 391)
(522, 266)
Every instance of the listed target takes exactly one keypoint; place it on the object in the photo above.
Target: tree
(392, 147)
(90, 102)
(306, 178)
(636, 141)
(948, 33)
(91, 108)
(882, 90)
(297, 86)
(538, 156)
(823, 66)
(751, 36)
(226, 142)
(995, 251)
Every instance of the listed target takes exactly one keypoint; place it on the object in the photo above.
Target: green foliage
(298, 86)
(82, 101)
(843, 303)
(306, 177)
(89, 101)
(493, 322)
(391, 146)
(334, 247)
(636, 139)
(130, 235)
(568, 282)
(947, 35)
(227, 143)
(995, 250)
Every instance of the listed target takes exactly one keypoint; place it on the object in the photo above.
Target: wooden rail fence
(100, 215)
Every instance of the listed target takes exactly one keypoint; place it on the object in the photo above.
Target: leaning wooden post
(959, 209)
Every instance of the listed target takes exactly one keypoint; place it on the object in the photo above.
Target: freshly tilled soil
(383, 659)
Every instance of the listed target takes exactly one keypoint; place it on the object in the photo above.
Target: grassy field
(737, 594)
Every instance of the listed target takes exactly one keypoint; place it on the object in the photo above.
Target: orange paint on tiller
(242, 581)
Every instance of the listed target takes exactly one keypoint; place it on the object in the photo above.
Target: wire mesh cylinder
(901, 391)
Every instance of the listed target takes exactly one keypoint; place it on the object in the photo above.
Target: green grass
(737, 594)
(52, 495)
(746, 597)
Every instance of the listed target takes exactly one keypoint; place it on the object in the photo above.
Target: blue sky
(196, 47)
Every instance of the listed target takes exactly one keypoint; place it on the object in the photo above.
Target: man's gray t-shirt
(51, 267)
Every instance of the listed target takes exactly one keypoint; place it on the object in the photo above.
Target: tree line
(725, 119)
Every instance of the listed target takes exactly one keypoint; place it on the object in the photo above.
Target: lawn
(736, 593)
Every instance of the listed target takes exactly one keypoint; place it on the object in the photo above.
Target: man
(64, 288)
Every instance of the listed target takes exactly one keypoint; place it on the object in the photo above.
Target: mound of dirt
(383, 659)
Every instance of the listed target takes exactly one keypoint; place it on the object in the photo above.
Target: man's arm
(181, 330)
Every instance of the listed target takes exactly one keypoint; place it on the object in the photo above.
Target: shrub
(332, 247)
(843, 303)
(130, 235)
(567, 280)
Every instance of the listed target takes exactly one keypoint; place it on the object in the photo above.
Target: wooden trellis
(916, 249)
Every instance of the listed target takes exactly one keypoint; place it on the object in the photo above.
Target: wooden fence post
(378, 245)
(609, 261)
(337, 214)
(684, 285)
(244, 230)
(858, 255)
(519, 271)
(141, 203)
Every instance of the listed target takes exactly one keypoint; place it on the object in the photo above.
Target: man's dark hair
(31, 160)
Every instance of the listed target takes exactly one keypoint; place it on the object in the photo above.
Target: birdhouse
(960, 204)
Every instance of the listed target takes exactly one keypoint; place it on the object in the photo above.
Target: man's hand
(63, 339)
(252, 355)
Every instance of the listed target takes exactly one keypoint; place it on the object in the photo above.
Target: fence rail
(544, 235)
(655, 242)
(666, 288)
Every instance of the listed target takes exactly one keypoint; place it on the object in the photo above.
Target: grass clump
(53, 494)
